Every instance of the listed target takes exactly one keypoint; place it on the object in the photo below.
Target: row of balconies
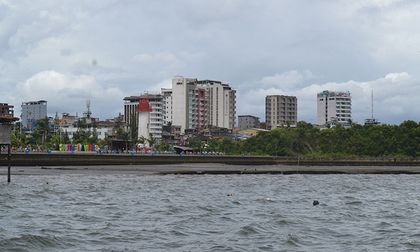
(343, 116)
(343, 111)
(344, 102)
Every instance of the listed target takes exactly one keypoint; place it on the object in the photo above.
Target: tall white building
(31, 112)
(167, 106)
(183, 102)
(333, 107)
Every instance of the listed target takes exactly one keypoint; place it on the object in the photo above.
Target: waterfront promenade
(41, 163)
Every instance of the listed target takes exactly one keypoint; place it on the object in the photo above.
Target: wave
(29, 242)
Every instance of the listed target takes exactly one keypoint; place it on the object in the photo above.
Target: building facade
(184, 102)
(167, 106)
(190, 104)
(280, 111)
(68, 125)
(248, 122)
(131, 115)
(200, 104)
(32, 112)
(221, 107)
(333, 107)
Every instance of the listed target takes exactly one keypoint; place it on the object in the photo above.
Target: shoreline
(92, 163)
(93, 159)
(205, 169)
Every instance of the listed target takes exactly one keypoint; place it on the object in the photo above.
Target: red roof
(144, 105)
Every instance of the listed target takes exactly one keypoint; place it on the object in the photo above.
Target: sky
(71, 51)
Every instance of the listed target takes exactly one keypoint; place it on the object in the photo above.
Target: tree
(151, 140)
(43, 127)
(123, 135)
(133, 129)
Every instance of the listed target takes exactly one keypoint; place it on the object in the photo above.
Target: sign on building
(5, 132)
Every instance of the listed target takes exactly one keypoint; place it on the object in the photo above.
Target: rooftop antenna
(371, 97)
(88, 112)
(371, 120)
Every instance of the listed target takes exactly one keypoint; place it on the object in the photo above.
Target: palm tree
(151, 140)
(43, 128)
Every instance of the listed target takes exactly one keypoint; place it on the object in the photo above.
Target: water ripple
(210, 213)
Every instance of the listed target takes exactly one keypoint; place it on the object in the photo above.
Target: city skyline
(67, 53)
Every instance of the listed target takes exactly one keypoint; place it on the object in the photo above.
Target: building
(7, 113)
(200, 104)
(167, 106)
(131, 116)
(6, 119)
(280, 111)
(101, 130)
(333, 107)
(171, 134)
(248, 122)
(184, 103)
(144, 111)
(130, 106)
(32, 112)
(221, 103)
(69, 125)
(190, 104)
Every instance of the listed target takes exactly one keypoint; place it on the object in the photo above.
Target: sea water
(94, 212)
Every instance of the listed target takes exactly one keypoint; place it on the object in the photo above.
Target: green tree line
(309, 141)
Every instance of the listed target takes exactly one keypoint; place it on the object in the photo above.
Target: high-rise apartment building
(200, 104)
(190, 104)
(333, 107)
(221, 103)
(280, 111)
(32, 112)
(185, 103)
(167, 106)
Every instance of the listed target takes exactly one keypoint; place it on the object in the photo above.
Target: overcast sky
(67, 52)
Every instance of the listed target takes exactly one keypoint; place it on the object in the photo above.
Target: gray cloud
(265, 46)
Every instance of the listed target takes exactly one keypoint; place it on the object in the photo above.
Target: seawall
(86, 159)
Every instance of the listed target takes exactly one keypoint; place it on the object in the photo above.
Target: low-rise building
(70, 125)
(248, 122)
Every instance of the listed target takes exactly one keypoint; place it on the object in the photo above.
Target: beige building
(280, 111)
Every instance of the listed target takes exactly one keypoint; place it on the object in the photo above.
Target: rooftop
(34, 102)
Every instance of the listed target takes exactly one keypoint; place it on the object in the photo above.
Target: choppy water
(195, 213)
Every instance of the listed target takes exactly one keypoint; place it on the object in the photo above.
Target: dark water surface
(195, 213)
